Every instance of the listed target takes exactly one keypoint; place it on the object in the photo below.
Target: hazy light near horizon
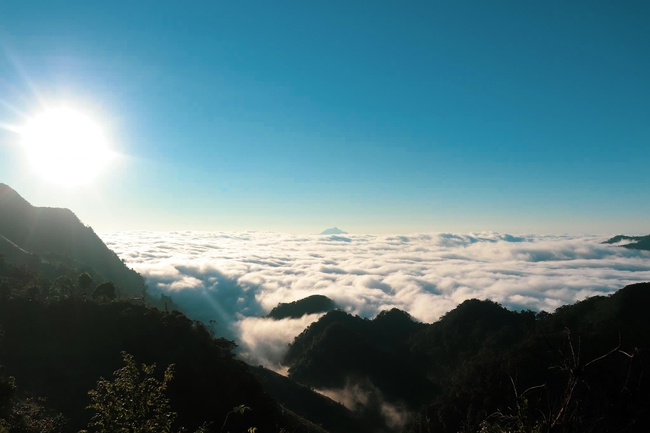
(236, 278)
(65, 147)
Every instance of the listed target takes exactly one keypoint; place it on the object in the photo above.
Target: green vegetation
(105, 291)
(135, 401)
(56, 343)
(65, 322)
(485, 368)
(480, 368)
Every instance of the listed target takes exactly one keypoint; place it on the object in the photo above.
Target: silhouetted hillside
(463, 332)
(309, 305)
(44, 231)
(13, 252)
(481, 367)
(342, 350)
(59, 349)
(581, 368)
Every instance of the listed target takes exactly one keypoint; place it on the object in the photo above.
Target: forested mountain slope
(332, 416)
(583, 368)
(59, 349)
(481, 367)
(43, 231)
(634, 242)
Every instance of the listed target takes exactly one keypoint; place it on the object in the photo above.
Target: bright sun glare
(66, 147)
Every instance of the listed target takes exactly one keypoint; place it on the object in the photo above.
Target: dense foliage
(67, 322)
(480, 368)
(135, 401)
(24, 415)
(57, 346)
(484, 367)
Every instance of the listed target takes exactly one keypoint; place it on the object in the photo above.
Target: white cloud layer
(235, 278)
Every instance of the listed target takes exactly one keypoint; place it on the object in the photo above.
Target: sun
(66, 147)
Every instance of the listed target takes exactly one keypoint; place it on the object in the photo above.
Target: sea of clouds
(237, 278)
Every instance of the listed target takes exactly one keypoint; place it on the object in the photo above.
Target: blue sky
(372, 116)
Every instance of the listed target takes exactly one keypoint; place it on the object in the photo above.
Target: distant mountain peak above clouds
(631, 242)
(310, 305)
(334, 231)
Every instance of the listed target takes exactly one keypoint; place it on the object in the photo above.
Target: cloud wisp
(234, 278)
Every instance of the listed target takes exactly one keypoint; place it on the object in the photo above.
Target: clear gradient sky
(372, 116)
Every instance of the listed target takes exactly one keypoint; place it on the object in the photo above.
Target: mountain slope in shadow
(309, 305)
(43, 231)
(321, 410)
(636, 242)
(478, 360)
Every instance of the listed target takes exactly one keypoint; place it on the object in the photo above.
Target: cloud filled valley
(236, 278)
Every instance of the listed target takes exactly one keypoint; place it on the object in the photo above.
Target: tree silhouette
(5, 289)
(33, 292)
(105, 290)
(62, 288)
(85, 281)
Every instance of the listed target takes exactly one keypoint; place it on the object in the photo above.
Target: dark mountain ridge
(43, 231)
(464, 366)
(60, 348)
(57, 343)
(637, 242)
(582, 368)
(339, 349)
(310, 305)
